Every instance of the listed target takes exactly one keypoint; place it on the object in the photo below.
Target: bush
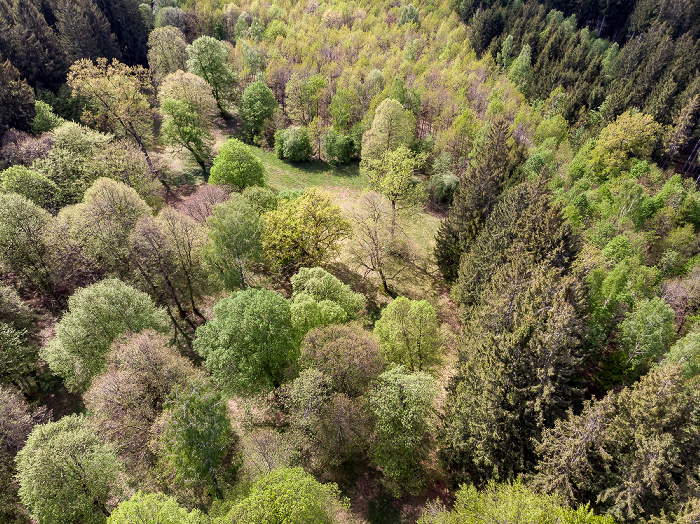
(338, 148)
(293, 144)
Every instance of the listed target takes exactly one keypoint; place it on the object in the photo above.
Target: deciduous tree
(248, 346)
(408, 334)
(96, 316)
(67, 474)
(208, 58)
(237, 167)
(304, 231)
(235, 241)
(119, 99)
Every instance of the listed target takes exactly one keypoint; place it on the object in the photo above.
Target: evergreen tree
(524, 223)
(516, 373)
(479, 189)
(634, 453)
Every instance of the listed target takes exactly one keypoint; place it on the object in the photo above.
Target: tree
(525, 221)
(237, 167)
(302, 97)
(96, 316)
(22, 249)
(190, 88)
(258, 104)
(392, 175)
(520, 72)
(479, 189)
(248, 346)
(166, 52)
(348, 355)
(646, 332)
(288, 496)
(408, 334)
(392, 126)
(686, 353)
(634, 452)
(83, 31)
(304, 231)
(402, 404)
(184, 127)
(376, 248)
(119, 99)
(167, 254)
(631, 135)
(18, 356)
(320, 299)
(16, 423)
(235, 240)
(153, 508)
(128, 397)
(16, 100)
(197, 436)
(517, 371)
(199, 205)
(102, 223)
(510, 503)
(208, 58)
(30, 184)
(67, 474)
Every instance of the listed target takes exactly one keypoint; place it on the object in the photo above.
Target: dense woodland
(327, 261)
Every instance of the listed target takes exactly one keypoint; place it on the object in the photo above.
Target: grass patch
(285, 175)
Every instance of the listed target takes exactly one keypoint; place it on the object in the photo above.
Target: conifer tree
(516, 372)
(479, 189)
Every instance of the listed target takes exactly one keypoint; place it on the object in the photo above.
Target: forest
(319, 261)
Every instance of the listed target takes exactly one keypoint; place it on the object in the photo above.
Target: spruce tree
(516, 371)
(479, 189)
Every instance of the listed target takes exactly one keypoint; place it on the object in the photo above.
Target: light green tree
(646, 332)
(248, 346)
(320, 299)
(208, 58)
(30, 184)
(510, 503)
(153, 508)
(304, 231)
(520, 72)
(235, 240)
(402, 404)
(67, 474)
(288, 496)
(96, 316)
(237, 167)
(392, 175)
(303, 95)
(184, 127)
(22, 248)
(393, 126)
(408, 334)
(686, 353)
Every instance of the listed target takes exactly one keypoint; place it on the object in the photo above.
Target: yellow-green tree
(305, 231)
(118, 96)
